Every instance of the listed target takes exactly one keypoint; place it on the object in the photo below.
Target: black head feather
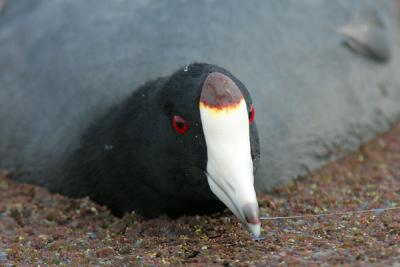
(133, 159)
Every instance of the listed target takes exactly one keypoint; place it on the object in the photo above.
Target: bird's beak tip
(251, 214)
(255, 229)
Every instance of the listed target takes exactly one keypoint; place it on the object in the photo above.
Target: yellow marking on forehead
(223, 110)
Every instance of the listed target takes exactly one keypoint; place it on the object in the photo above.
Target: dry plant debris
(41, 229)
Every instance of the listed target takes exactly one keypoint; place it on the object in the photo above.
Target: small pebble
(379, 211)
(3, 256)
(104, 252)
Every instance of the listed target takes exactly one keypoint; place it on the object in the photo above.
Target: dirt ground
(41, 229)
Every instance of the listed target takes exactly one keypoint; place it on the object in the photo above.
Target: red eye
(252, 113)
(179, 124)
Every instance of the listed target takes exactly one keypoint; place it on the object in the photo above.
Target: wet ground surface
(41, 229)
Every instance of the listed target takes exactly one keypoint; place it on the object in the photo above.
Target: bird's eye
(179, 124)
(251, 114)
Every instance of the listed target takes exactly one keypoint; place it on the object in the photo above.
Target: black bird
(64, 63)
(182, 144)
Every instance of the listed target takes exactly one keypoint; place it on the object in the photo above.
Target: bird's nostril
(250, 211)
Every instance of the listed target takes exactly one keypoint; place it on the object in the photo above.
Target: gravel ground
(41, 229)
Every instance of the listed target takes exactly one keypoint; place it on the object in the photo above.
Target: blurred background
(323, 74)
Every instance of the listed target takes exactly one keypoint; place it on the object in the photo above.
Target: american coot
(170, 148)
(65, 63)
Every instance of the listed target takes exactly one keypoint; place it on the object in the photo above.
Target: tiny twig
(379, 210)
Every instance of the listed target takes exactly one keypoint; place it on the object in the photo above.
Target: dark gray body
(62, 63)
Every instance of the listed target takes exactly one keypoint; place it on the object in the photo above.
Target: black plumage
(131, 158)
